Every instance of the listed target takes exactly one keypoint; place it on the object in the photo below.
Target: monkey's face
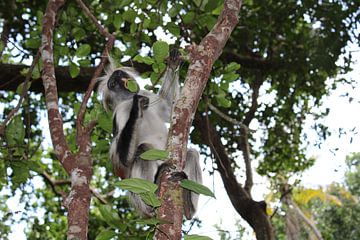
(121, 82)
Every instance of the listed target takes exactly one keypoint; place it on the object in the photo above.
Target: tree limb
(202, 58)
(253, 212)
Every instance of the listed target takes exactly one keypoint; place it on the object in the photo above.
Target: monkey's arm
(125, 130)
(170, 88)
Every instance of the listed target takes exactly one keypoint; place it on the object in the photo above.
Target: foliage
(335, 210)
(273, 73)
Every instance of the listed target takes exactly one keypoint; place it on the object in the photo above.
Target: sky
(329, 165)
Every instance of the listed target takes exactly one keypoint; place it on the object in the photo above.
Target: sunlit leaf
(83, 51)
(160, 50)
(106, 235)
(110, 216)
(196, 237)
(137, 185)
(150, 199)
(15, 131)
(74, 70)
(196, 187)
(155, 154)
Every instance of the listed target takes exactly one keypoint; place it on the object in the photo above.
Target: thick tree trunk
(78, 166)
(202, 58)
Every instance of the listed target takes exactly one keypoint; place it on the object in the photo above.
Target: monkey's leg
(145, 170)
(191, 171)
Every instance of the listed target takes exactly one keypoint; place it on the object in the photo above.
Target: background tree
(278, 64)
(329, 213)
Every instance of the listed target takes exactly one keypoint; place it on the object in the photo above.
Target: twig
(243, 144)
(53, 183)
(22, 96)
(101, 29)
(225, 117)
(98, 70)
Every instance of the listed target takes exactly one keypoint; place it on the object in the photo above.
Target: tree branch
(61, 148)
(202, 58)
(253, 212)
(22, 95)
(101, 29)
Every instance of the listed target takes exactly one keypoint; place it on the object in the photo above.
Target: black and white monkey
(139, 124)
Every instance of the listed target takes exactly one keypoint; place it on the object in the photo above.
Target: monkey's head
(118, 85)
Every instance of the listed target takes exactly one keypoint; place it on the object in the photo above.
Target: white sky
(329, 166)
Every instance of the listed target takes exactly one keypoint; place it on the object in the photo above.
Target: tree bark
(253, 212)
(78, 166)
(202, 58)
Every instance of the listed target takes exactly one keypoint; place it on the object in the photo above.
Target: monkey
(139, 124)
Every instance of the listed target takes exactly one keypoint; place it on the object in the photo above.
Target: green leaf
(83, 51)
(150, 199)
(78, 33)
(19, 89)
(151, 221)
(160, 50)
(74, 70)
(15, 131)
(189, 17)
(33, 43)
(146, 23)
(20, 172)
(110, 216)
(106, 235)
(132, 86)
(105, 122)
(137, 185)
(222, 101)
(125, 3)
(230, 76)
(197, 2)
(155, 154)
(231, 67)
(129, 15)
(196, 187)
(146, 59)
(212, 4)
(1, 46)
(196, 237)
(173, 29)
(117, 21)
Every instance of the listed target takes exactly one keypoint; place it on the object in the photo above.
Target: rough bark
(253, 212)
(202, 58)
(78, 166)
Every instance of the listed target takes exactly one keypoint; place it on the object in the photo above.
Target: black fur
(115, 82)
(123, 144)
(114, 127)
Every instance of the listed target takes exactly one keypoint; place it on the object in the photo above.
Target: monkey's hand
(174, 59)
(143, 103)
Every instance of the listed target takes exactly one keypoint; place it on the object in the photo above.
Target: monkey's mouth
(131, 85)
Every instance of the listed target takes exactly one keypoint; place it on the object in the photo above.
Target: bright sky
(328, 167)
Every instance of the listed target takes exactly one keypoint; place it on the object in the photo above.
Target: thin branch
(226, 117)
(54, 183)
(245, 148)
(82, 110)
(308, 222)
(22, 95)
(243, 144)
(101, 29)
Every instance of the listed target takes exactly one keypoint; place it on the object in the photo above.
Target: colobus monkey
(139, 125)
